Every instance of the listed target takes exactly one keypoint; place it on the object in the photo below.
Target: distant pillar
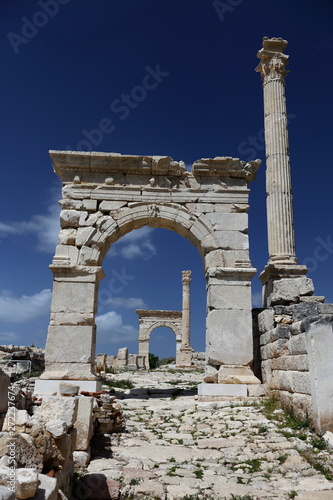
(186, 280)
(184, 355)
(280, 220)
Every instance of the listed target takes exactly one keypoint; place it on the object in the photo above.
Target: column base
(52, 386)
(184, 357)
(284, 284)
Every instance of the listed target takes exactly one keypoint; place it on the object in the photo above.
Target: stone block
(229, 337)
(73, 297)
(305, 310)
(233, 374)
(81, 459)
(47, 488)
(66, 253)
(211, 375)
(239, 390)
(67, 237)
(88, 256)
(232, 240)
(325, 308)
(26, 483)
(51, 387)
(297, 344)
(288, 290)
(83, 423)
(229, 222)
(280, 332)
(301, 382)
(122, 354)
(266, 320)
(56, 427)
(229, 296)
(68, 389)
(84, 235)
(275, 349)
(319, 340)
(231, 256)
(64, 445)
(132, 363)
(106, 206)
(285, 381)
(73, 344)
(291, 363)
(59, 408)
(214, 258)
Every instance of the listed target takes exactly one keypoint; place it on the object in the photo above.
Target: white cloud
(111, 329)
(136, 244)
(257, 299)
(45, 227)
(26, 308)
(127, 303)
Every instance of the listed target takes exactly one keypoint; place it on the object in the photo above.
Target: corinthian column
(186, 280)
(282, 262)
(280, 220)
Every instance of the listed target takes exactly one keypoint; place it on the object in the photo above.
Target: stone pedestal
(184, 357)
(71, 340)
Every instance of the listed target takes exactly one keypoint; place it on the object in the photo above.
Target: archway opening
(162, 342)
(143, 271)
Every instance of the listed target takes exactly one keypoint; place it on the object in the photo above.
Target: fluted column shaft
(280, 220)
(186, 280)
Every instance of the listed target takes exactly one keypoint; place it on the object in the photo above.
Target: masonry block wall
(296, 345)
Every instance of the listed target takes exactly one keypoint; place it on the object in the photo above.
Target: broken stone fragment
(26, 483)
(211, 375)
(67, 389)
(57, 428)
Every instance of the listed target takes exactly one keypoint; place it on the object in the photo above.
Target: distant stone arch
(150, 320)
(106, 195)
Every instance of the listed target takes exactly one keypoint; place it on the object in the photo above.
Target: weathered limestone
(319, 341)
(281, 239)
(26, 483)
(122, 358)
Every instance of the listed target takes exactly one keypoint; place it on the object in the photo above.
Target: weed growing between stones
(292, 494)
(123, 384)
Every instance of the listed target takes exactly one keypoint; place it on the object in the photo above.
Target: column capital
(186, 276)
(273, 61)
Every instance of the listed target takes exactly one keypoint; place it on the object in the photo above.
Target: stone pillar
(71, 340)
(186, 280)
(184, 353)
(280, 221)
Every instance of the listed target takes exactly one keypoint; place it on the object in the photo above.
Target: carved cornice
(273, 61)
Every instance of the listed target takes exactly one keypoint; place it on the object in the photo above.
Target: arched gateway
(105, 196)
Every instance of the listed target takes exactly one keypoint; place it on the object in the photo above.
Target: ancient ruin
(283, 348)
(106, 195)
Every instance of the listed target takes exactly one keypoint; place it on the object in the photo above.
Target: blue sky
(67, 65)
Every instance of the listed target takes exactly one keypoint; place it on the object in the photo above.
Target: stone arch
(107, 229)
(149, 320)
(106, 195)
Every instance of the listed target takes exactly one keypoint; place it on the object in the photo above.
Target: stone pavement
(176, 447)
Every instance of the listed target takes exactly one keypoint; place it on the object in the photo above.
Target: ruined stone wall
(293, 340)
